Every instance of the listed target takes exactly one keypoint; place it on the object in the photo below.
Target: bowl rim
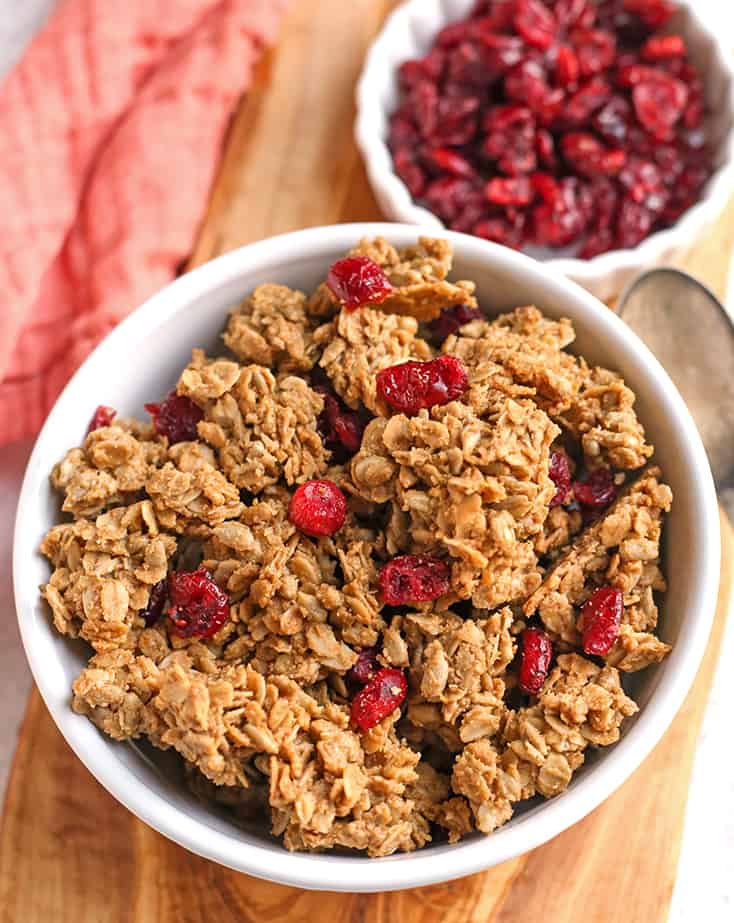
(340, 873)
(394, 195)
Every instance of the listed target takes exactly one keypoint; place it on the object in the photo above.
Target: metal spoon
(689, 331)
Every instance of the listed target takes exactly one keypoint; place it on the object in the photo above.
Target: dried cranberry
(103, 416)
(537, 653)
(451, 320)
(448, 196)
(589, 156)
(384, 693)
(356, 281)
(535, 23)
(597, 491)
(659, 103)
(598, 242)
(601, 618)
(575, 13)
(340, 428)
(413, 386)
(176, 417)
(156, 602)
(654, 13)
(445, 159)
(546, 149)
(318, 508)
(596, 50)
(660, 47)
(591, 96)
(457, 120)
(510, 138)
(366, 666)
(560, 473)
(514, 190)
(413, 578)
(198, 608)
(612, 121)
(546, 186)
(633, 224)
(526, 83)
(409, 171)
(567, 66)
(501, 52)
(501, 230)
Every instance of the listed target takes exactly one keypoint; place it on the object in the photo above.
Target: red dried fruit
(659, 103)
(510, 138)
(356, 281)
(457, 120)
(198, 607)
(318, 508)
(366, 666)
(384, 693)
(448, 196)
(501, 230)
(517, 190)
(340, 428)
(409, 171)
(589, 157)
(504, 91)
(546, 149)
(103, 416)
(597, 491)
(546, 186)
(156, 602)
(501, 52)
(413, 386)
(600, 241)
(451, 320)
(661, 47)
(176, 417)
(445, 159)
(642, 179)
(654, 13)
(612, 121)
(560, 473)
(535, 23)
(596, 50)
(586, 100)
(601, 618)
(537, 653)
(526, 83)
(567, 67)
(634, 223)
(413, 578)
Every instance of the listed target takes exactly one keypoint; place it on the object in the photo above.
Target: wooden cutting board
(70, 854)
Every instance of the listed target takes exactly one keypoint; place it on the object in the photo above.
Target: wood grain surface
(70, 854)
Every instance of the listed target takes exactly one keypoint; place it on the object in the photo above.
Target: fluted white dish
(142, 359)
(409, 33)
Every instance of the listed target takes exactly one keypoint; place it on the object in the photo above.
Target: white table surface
(705, 887)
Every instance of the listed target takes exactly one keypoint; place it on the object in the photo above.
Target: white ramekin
(141, 359)
(409, 33)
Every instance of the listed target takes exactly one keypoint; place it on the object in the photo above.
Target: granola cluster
(349, 722)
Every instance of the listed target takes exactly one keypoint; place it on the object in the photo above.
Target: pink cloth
(112, 127)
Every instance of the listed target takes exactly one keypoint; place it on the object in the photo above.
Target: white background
(705, 887)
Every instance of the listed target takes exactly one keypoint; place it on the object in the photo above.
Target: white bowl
(141, 360)
(409, 33)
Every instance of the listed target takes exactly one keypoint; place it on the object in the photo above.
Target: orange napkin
(112, 126)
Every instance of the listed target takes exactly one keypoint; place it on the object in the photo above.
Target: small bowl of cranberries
(594, 134)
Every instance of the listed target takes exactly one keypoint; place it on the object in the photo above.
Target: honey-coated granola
(367, 679)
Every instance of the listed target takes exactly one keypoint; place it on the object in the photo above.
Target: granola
(258, 645)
